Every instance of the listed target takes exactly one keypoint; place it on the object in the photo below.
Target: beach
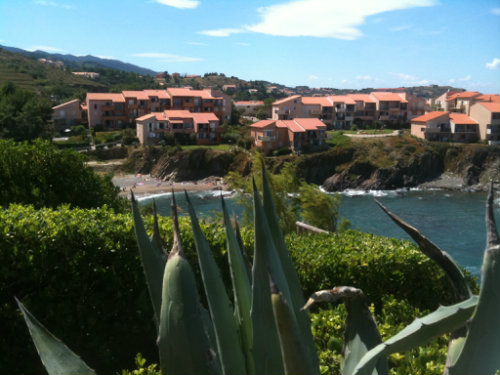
(147, 185)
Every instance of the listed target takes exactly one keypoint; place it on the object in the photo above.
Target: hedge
(78, 271)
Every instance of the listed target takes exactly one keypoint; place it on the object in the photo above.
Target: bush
(44, 176)
(282, 151)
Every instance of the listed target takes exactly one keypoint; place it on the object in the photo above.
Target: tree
(23, 115)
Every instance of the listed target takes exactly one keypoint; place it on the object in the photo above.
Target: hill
(84, 63)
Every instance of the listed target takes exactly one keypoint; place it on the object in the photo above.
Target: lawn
(337, 137)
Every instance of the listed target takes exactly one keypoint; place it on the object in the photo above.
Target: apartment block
(443, 126)
(295, 134)
(68, 114)
(114, 110)
(462, 101)
(248, 107)
(487, 115)
(390, 107)
(152, 127)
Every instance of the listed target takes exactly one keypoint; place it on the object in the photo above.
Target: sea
(453, 220)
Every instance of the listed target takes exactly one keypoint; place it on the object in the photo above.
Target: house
(296, 134)
(67, 114)
(249, 107)
(206, 100)
(462, 101)
(106, 109)
(390, 107)
(445, 126)
(487, 115)
(364, 109)
(152, 127)
(344, 111)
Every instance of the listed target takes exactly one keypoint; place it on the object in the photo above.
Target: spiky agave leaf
(295, 289)
(242, 290)
(361, 331)
(420, 331)
(156, 237)
(296, 359)
(57, 358)
(183, 344)
(440, 257)
(246, 258)
(479, 353)
(226, 331)
(265, 340)
(152, 260)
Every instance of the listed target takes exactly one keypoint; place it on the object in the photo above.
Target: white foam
(152, 196)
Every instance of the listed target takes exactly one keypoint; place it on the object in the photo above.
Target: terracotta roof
(263, 124)
(388, 97)
(249, 102)
(284, 100)
(464, 95)
(489, 98)
(342, 99)
(204, 117)
(292, 126)
(323, 101)
(429, 116)
(161, 94)
(139, 95)
(204, 94)
(492, 107)
(66, 103)
(106, 96)
(310, 123)
(147, 117)
(361, 97)
(462, 118)
(182, 113)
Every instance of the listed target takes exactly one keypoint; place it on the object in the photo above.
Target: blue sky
(319, 43)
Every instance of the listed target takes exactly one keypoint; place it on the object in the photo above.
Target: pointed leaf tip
(492, 237)
(132, 196)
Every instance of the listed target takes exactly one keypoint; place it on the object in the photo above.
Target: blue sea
(452, 220)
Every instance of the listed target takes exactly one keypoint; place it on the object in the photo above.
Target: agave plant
(266, 329)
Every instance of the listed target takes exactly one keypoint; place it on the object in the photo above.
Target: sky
(318, 43)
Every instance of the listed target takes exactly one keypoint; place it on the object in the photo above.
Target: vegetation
(23, 115)
(41, 175)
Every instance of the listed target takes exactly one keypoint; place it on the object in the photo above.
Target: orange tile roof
(66, 103)
(462, 118)
(310, 123)
(204, 117)
(464, 95)
(139, 95)
(249, 102)
(161, 94)
(323, 101)
(429, 116)
(292, 126)
(148, 116)
(388, 97)
(106, 96)
(489, 98)
(492, 107)
(173, 113)
(185, 92)
(284, 100)
(361, 97)
(263, 124)
(342, 99)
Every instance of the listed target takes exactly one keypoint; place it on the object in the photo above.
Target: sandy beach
(147, 185)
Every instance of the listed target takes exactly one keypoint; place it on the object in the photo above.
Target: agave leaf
(151, 259)
(479, 353)
(421, 330)
(442, 258)
(156, 237)
(241, 289)
(183, 342)
(57, 358)
(295, 290)
(248, 262)
(361, 331)
(266, 346)
(296, 359)
(226, 331)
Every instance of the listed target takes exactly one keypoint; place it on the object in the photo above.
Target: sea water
(454, 221)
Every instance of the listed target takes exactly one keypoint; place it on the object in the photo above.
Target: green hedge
(78, 271)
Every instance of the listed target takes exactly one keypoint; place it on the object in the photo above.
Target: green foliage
(337, 138)
(23, 114)
(320, 210)
(44, 176)
(141, 368)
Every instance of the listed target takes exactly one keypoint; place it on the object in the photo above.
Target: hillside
(84, 63)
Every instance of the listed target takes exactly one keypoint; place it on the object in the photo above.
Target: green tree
(41, 175)
(23, 115)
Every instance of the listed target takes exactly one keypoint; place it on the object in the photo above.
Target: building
(68, 114)
(92, 75)
(462, 101)
(365, 109)
(297, 134)
(152, 127)
(249, 107)
(391, 108)
(443, 126)
(115, 110)
(487, 115)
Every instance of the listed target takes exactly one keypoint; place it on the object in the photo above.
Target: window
(131, 101)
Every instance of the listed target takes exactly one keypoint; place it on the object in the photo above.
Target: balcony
(268, 139)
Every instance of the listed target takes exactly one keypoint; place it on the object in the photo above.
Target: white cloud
(45, 48)
(328, 19)
(221, 32)
(167, 57)
(197, 43)
(494, 65)
(181, 4)
(52, 4)
(495, 11)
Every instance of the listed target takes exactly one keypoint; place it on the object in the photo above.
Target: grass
(222, 147)
(337, 138)
(376, 131)
(104, 137)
